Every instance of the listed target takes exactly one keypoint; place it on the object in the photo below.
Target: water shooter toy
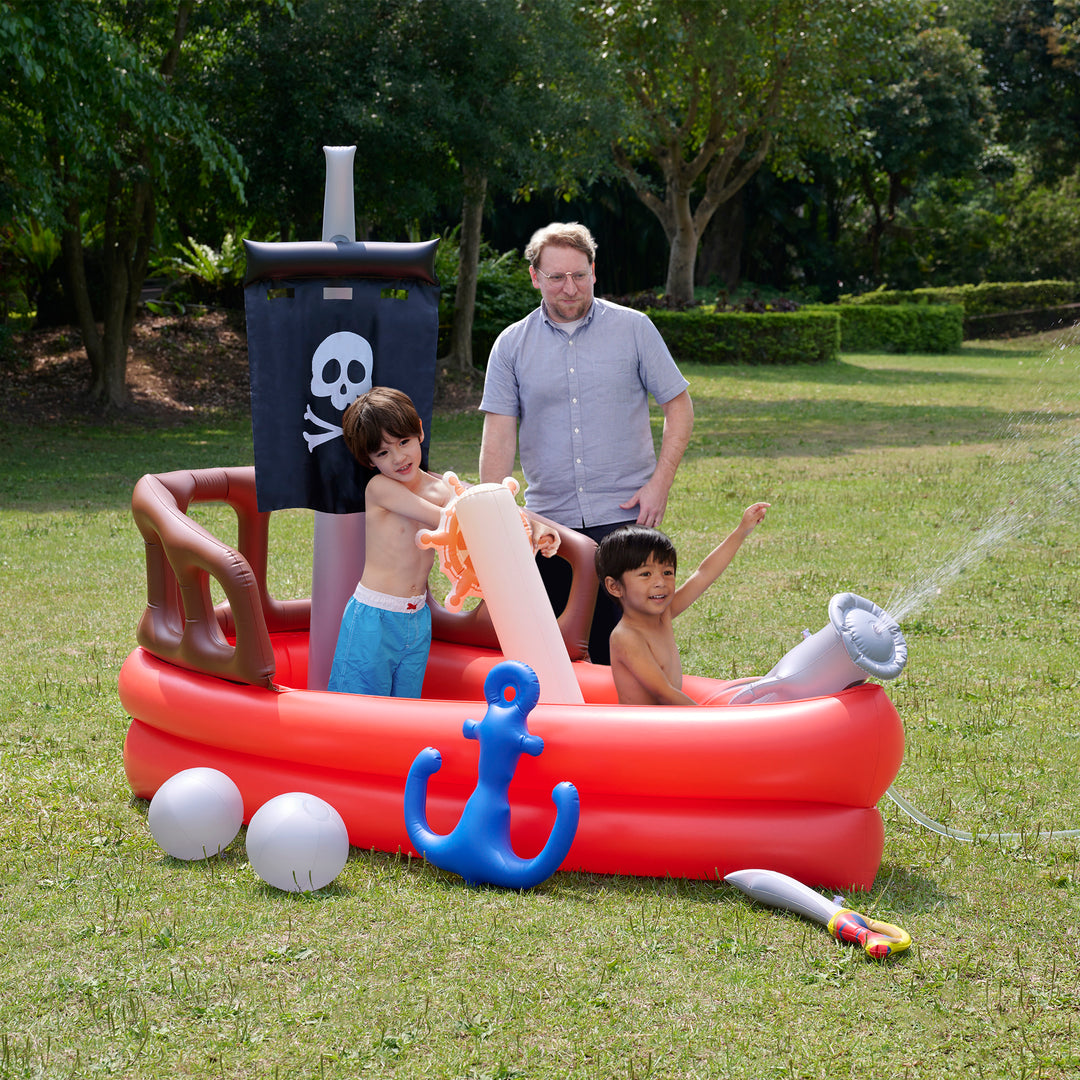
(878, 939)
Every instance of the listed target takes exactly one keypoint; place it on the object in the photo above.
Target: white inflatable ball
(196, 813)
(297, 842)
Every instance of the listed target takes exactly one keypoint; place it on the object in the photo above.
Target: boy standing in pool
(385, 634)
(636, 565)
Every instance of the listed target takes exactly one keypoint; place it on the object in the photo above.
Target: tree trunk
(129, 228)
(130, 215)
(722, 246)
(71, 249)
(684, 243)
(683, 225)
(723, 158)
(460, 356)
(876, 229)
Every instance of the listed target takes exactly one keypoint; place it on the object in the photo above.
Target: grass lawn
(944, 488)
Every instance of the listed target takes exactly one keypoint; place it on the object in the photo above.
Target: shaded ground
(181, 367)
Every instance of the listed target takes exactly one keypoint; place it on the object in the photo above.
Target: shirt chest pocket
(613, 379)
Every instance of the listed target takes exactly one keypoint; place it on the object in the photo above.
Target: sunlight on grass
(954, 475)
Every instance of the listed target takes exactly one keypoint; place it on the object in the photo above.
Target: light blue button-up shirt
(582, 403)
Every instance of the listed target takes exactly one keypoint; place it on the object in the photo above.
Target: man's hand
(651, 498)
(651, 502)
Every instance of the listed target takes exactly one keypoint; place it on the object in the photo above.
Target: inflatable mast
(338, 556)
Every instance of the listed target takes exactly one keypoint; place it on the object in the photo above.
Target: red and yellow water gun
(878, 939)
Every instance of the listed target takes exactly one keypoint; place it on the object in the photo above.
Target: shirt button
(579, 461)
(573, 401)
(571, 371)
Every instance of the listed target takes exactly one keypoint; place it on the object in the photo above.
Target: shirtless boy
(385, 634)
(637, 567)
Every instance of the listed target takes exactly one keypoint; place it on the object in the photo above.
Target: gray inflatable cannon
(859, 640)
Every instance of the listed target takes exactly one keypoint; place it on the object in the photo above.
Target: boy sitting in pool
(385, 633)
(637, 567)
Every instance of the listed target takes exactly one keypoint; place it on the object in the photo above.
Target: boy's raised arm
(717, 561)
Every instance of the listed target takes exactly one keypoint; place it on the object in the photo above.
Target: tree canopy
(92, 124)
(712, 92)
(873, 141)
(1031, 50)
(935, 119)
(443, 100)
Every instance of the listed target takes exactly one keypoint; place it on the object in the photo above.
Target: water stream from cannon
(1044, 465)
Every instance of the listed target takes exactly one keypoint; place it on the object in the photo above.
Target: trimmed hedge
(901, 328)
(987, 298)
(1029, 321)
(810, 335)
(790, 337)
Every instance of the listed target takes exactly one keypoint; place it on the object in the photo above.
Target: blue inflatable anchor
(479, 848)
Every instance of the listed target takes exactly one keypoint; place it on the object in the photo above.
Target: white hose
(969, 838)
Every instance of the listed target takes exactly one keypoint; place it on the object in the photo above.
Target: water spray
(1051, 486)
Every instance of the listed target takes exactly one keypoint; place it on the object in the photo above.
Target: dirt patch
(180, 368)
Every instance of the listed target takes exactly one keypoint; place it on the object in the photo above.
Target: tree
(712, 91)
(445, 101)
(510, 87)
(494, 87)
(936, 120)
(1031, 50)
(295, 80)
(95, 120)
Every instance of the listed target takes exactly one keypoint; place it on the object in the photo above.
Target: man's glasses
(560, 279)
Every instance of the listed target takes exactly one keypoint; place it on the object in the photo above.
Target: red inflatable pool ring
(694, 793)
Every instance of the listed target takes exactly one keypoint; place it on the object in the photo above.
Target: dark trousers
(556, 575)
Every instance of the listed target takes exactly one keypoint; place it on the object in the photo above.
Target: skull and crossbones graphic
(340, 371)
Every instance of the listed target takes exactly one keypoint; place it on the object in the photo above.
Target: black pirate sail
(326, 322)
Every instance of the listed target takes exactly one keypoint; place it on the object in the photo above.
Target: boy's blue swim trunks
(382, 646)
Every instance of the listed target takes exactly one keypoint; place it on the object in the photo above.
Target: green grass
(118, 961)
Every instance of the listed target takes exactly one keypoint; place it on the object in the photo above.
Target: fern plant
(216, 267)
(212, 275)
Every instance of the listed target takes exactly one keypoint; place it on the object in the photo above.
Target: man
(571, 383)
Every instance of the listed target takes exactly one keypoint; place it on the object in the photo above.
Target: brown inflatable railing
(182, 626)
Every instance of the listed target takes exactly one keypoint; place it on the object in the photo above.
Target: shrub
(206, 274)
(704, 336)
(986, 298)
(753, 302)
(1045, 232)
(901, 328)
(651, 300)
(28, 251)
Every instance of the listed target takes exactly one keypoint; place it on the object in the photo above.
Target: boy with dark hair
(636, 566)
(385, 631)
(385, 634)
